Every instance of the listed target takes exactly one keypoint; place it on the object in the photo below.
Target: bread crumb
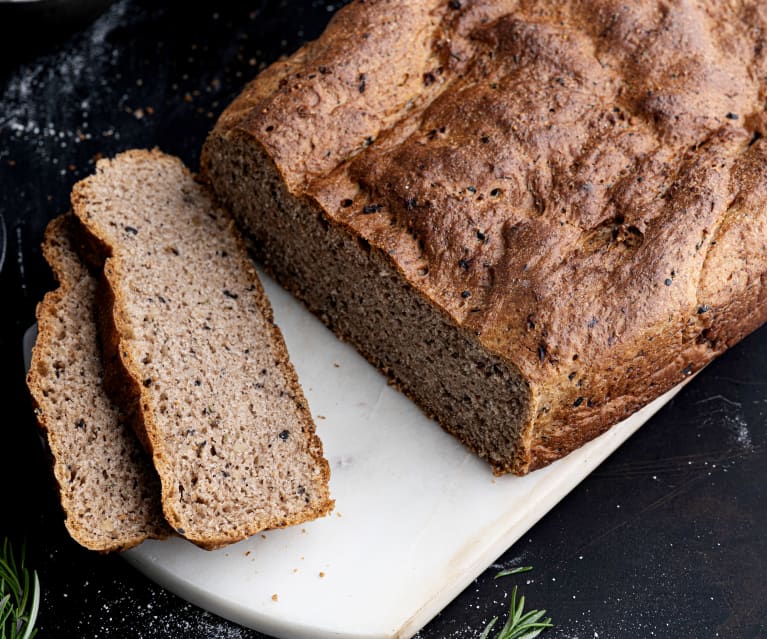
(322, 575)
(275, 597)
(321, 417)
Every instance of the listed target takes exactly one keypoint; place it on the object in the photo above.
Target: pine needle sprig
(19, 596)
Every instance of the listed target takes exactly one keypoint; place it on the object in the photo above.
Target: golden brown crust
(578, 184)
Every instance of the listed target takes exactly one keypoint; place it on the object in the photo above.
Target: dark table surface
(668, 538)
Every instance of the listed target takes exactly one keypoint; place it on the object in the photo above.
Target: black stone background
(668, 538)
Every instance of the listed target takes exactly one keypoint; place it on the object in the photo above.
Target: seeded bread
(109, 490)
(534, 216)
(218, 401)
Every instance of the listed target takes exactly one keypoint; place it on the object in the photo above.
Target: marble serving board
(417, 516)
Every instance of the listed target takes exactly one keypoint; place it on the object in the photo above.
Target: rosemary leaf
(19, 596)
(486, 632)
(519, 624)
(513, 571)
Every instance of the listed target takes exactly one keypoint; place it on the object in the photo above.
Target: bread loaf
(108, 488)
(535, 217)
(218, 401)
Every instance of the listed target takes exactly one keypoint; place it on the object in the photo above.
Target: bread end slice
(108, 489)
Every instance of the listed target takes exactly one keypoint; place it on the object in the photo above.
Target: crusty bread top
(230, 431)
(109, 491)
(581, 185)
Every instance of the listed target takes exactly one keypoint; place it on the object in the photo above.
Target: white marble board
(417, 516)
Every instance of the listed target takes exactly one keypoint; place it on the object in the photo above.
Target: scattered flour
(729, 413)
(66, 77)
(740, 429)
(156, 617)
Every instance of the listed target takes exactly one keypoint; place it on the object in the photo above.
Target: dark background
(668, 538)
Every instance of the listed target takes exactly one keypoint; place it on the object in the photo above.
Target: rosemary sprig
(19, 596)
(520, 624)
(513, 571)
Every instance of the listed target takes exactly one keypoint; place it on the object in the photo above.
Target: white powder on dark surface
(729, 413)
(159, 618)
(60, 79)
(741, 432)
(188, 624)
(508, 564)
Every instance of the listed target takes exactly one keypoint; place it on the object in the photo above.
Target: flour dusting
(730, 414)
(742, 434)
(61, 79)
(158, 616)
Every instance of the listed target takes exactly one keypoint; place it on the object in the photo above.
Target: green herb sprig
(513, 571)
(520, 624)
(19, 596)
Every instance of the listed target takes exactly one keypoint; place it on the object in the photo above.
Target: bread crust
(589, 205)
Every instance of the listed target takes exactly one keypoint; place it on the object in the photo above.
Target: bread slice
(230, 432)
(532, 219)
(109, 490)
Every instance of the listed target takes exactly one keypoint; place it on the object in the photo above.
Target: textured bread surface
(536, 217)
(219, 403)
(108, 488)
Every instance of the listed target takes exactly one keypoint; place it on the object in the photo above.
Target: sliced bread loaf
(219, 403)
(109, 490)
